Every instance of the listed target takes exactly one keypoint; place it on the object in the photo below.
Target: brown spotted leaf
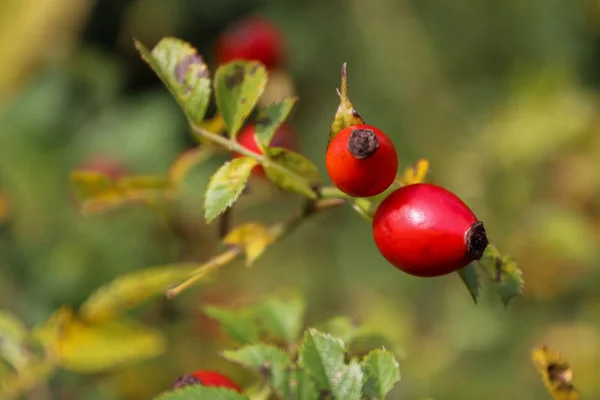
(504, 273)
(238, 86)
(555, 372)
(183, 71)
(270, 118)
(267, 362)
(345, 115)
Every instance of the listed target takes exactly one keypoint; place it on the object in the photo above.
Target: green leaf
(253, 237)
(128, 291)
(240, 325)
(282, 317)
(381, 373)
(199, 392)
(322, 355)
(301, 386)
(470, 278)
(268, 362)
(504, 273)
(13, 340)
(269, 119)
(345, 115)
(184, 73)
(292, 172)
(84, 347)
(238, 86)
(226, 185)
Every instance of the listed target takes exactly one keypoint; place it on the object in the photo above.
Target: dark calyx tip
(362, 143)
(185, 380)
(477, 241)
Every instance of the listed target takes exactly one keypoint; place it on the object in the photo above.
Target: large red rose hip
(426, 230)
(206, 378)
(253, 39)
(361, 161)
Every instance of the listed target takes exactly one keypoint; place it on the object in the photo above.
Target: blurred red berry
(106, 165)
(254, 38)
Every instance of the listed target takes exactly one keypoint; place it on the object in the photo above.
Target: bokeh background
(501, 97)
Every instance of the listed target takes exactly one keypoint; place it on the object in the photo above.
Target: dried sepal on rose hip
(361, 161)
(426, 230)
(253, 38)
(205, 378)
(284, 137)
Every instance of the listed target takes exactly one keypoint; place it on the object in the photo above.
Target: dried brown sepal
(555, 372)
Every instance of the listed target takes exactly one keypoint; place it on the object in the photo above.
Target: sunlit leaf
(128, 291)
(282, 317)
(270, 118)
(381, 373)
(322, 356)
(504, 273)
(188, 160)
(268, 362)
(238, 86)
(183, 71)
(292, 172)
(226, 185)
(84, 347)
(13, 340)
(415, 173)
(555, 372)
(345, 115)
(470, 278)
(253, 237)
(240, 325)
(200, 392)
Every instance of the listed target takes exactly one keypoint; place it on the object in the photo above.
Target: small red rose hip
(206, 378)
(426, 230)
(253, 39)
(106, 165)
(284, 137)
(362, 161)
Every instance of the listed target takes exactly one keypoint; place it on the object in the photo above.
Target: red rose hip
(253, 39)
(362, 161)
(426, 230)
(284, 137)
(206, 378)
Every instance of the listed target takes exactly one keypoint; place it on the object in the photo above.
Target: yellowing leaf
(345, 115)
(4, 208)
(215, 124)
(238, 86)
(183, 71)
(292, 172)
(128, 291)
(15, 385)
(226, 185)
(188, 160)
(90, 184)
(13, 341)
(504, 273)
(555, 373)
(84, 347)
(415, 173)
(253, 237)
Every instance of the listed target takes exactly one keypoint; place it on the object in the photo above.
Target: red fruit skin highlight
(365, 177)
(253, 39)
(426, 230)
(284, 137)
(214, 379)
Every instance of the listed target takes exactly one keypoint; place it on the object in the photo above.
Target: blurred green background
(501, 97)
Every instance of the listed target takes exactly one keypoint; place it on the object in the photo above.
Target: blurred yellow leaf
(13, 341)
(4, 208)
(128, 291)
(555, 373)
(215, 124)
(98, 193)
(15, 385)
(415, 173)
(187, 160)
(84, 347)
(253, 237)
